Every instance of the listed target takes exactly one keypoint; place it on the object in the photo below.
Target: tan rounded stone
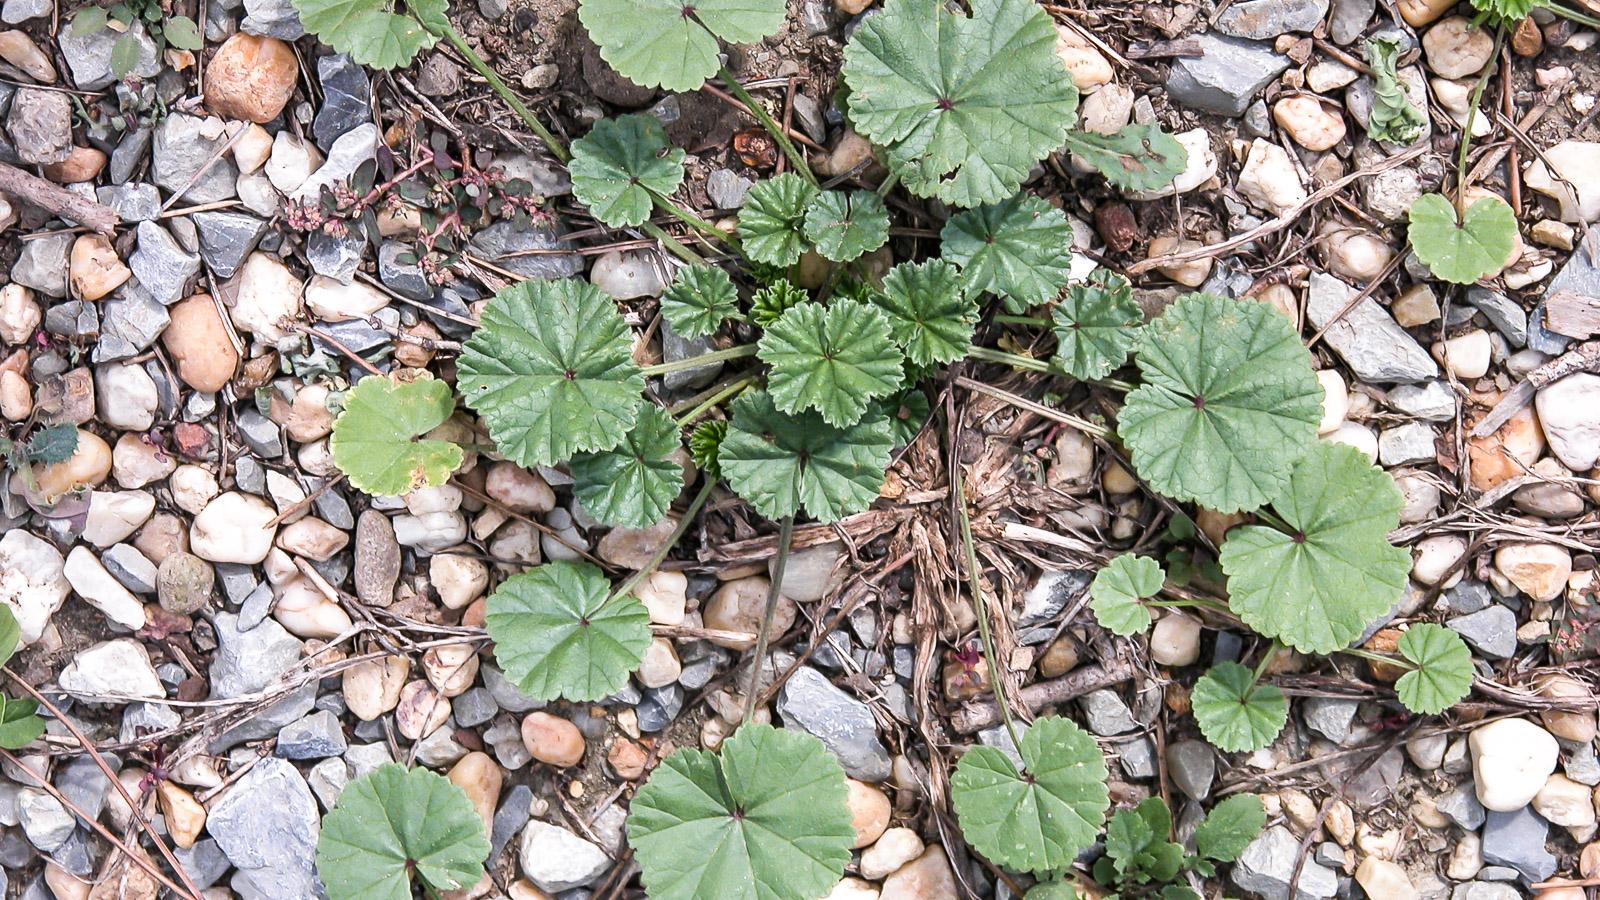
(251, 78)
(199, 344)
(552, 739)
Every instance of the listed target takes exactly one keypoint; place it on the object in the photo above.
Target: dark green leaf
(1236, 713)
(19, 723)
(698, 301)
(183, 33)
(1019, 249)
(1135, 158)
(53, 444)
(930, 316)
(558, 632)
(845, 225)
(772, 219)
(781, 463)
(1230, 827)
(832, 359)
(1097, 324)
(634, 484)
(620, 164)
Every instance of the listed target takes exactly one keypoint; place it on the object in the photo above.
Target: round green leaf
(766, 820)
(698, 301)
(365, 29)
(1117, 589)
(1052, 890)
(845, 225)
(634, 484)
(1135, 157)
(1228, 404)
(1019, 249)
(1036, 822)
(392, 821)
(1443, 673)
(930, 316)
(1317, 586)
(1230, 827)
(772, 219)
(1462, 253)
(183, 33)
(833, 359)
(375, 439)
(620, 164)
(1097, 324)
(965, 106)
(780, 463)
(1233, 714)
(558, 632)
(551, 371)
(672, 44)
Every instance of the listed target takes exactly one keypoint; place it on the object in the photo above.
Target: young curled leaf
(1393, 119)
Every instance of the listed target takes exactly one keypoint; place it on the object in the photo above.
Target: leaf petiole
(717, 395)
(684, 522)
(695, 362)
(1266, 660)
(980, 603)
(764, 637)
(551, 142)
(767, 122)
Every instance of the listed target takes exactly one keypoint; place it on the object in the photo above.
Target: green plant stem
(988, 354)
(1030, 321)
(1193, 603)
(730, 390)
(773, 128)
(670, 207)
(1466, 130)
(673, 244)
(1399, 661)
(554, 145)
(980, 604)
(764, 636)
(1573, 15)
(672, 540)
(1266, 660)
(695, 362)
(888, 184)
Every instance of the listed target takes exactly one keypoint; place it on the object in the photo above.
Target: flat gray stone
(346, 98)
(1462, 807)
(1350, 18)
(317, 736)
(557, 860)
(131, 320)
(811, 703)
(272, 18)
(162, 267)
(267, 825)
(1263, 20)
(513, 249)
(1267, 865)
(1106, 714)
(88, 56)
(40, 125)
(1431, 401)
(183, 158)
(1368, 339)
(1517, 839)
(42, 264)
(1330, 717)
(1405, 444)
(1226, 76)
(1491, 631)
(1193, 767)
(1505, 314)
(226, 238)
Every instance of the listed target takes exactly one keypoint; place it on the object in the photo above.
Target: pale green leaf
(620, 164)
(558, 632)
(1135, 157)
(699, 300)
(20, 724)
(551, 371)
(833, 359)
(1117, 589)
(1319, 584)
(10, 633)
(765, 821)
(88, 20)
(964, 106)
(1230, 827)
(672, 44)
(1019, 249)
(1052, 890)
(781, 463)
(1127, 835)
(182, 32)
(1462, 252)
(1037, 820)
(634, 484)
(374, 33)
(377, 440)
(125, 52)
(392, 821)
(1234, 714)
(1228, 404)
(1443, 673)
(1393, 118)
(772, 219)
(1097, 324)
(930, 316)
(843, 225)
